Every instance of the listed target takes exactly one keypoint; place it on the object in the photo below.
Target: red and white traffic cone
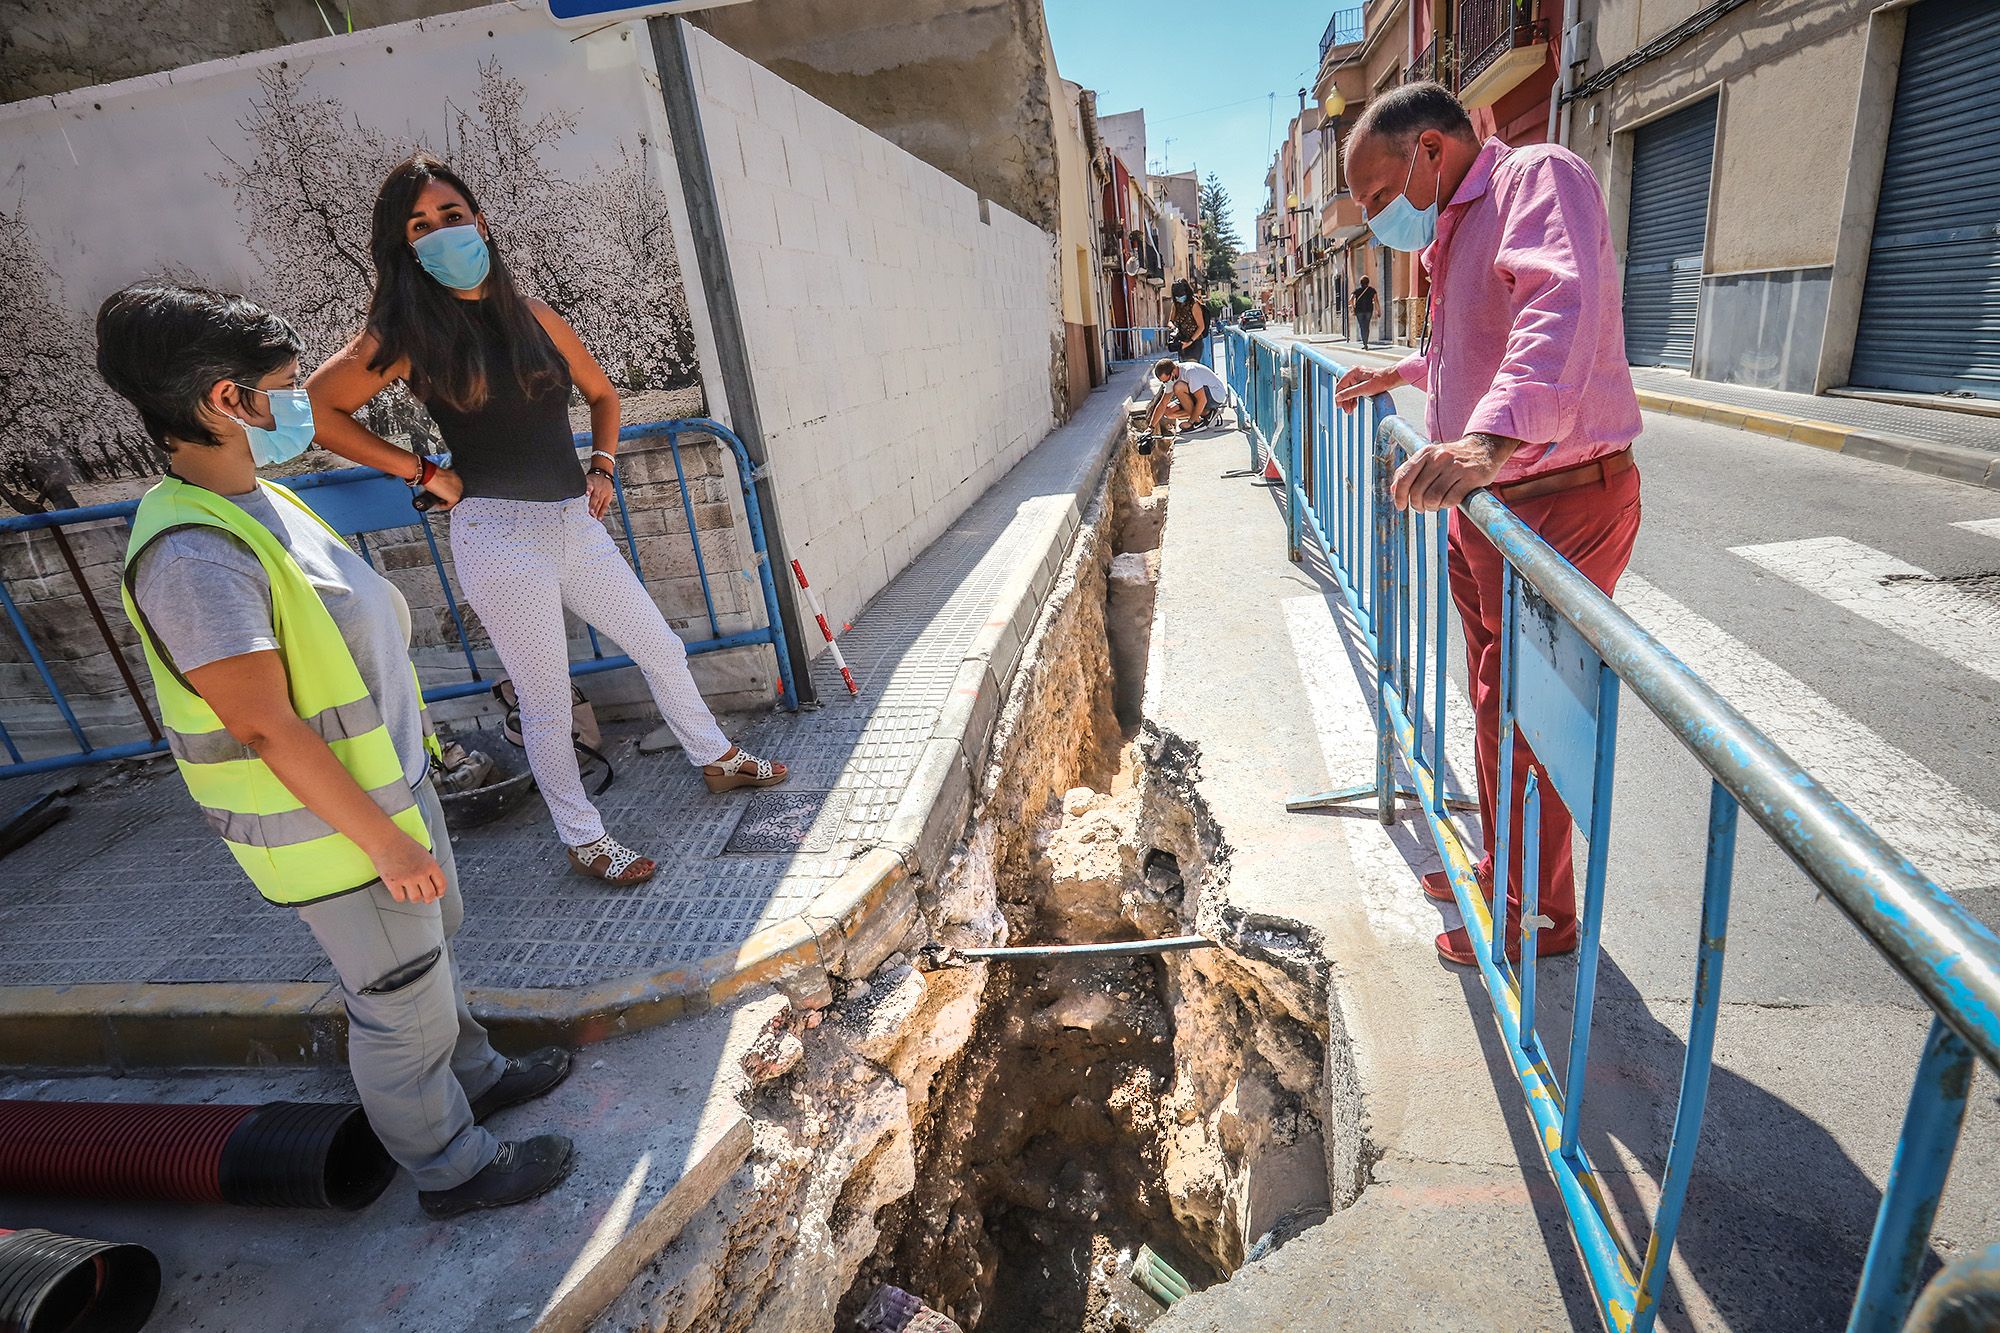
(819, 614)
(1271, 472)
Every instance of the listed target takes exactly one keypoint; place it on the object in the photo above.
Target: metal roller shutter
(1671, 162)
(1930, 312)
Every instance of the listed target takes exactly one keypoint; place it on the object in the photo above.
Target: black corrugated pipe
(61, 1284)
(280, 1154)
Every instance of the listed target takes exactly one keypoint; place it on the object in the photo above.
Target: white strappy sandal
(740, 768)
(612, 861)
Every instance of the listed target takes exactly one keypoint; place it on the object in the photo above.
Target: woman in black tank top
(495, 368)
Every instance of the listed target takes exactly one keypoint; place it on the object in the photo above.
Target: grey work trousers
(417, 1054)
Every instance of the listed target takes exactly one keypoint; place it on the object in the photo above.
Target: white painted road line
(1945, 833)
(1895, 594)
(1985, 527)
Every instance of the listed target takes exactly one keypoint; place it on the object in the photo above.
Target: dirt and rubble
(1001, 1139)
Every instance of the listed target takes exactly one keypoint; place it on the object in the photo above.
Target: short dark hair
(1165, 364)
(162, 346)
(1401, 114)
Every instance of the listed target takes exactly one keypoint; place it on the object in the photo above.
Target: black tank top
(515, 447)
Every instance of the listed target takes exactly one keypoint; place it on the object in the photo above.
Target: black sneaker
(523, 1169)
(527, 1077)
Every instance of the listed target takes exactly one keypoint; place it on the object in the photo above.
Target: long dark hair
(413, 315)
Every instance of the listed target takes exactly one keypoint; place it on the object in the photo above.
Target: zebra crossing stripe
(1946, 833)
(1901, 597)
(1985, 527)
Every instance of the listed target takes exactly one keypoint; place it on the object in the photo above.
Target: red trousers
(1593, 527)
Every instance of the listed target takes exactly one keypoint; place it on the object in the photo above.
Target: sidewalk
(1963, 446)
(1438, 1225)
(128, 937)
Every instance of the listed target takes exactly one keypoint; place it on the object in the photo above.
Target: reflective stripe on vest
(291, 854)
(341, 722)
(289, 828)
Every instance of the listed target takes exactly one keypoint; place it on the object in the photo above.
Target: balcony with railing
(1500, 42)
(1343, 29)
(1437, 62)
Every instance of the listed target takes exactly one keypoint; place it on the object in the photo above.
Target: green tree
(1219, 242)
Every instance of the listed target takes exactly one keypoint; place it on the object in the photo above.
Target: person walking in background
(1364, 306)
(1529, 394)
(1190, 323)
(495, 369)
(280, 659)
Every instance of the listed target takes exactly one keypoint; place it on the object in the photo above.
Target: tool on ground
(65, 1284)
(1145, 441)
(819, 614)
(939, 955)
(278, 1155)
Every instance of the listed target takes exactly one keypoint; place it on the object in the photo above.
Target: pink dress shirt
(1527, 330)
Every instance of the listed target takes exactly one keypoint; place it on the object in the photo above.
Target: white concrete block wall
(900, 346)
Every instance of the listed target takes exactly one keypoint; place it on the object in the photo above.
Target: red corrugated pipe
(281, 1154)
(61, 1284)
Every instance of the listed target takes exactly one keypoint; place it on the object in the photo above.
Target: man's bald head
(1417, 135)
(1397, 117)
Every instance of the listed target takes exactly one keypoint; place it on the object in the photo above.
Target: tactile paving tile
(133, 887)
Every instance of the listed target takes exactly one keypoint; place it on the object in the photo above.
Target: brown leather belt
(1597, 470)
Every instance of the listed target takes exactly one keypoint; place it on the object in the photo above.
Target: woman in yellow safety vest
(281, 662)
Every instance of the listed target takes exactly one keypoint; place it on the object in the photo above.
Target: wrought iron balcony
(1489, 29)
(1344, 29)
(1438, 62)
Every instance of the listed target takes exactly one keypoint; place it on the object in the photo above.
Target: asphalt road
(1844, 609)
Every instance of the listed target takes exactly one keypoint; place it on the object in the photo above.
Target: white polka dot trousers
(520, 563)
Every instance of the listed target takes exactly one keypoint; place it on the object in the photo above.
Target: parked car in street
(1253, 318)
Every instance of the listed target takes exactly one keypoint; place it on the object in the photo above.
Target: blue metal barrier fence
(359, 501)
(1134, 344)
(1568, 655)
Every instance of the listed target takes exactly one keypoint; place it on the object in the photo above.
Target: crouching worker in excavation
(281, 661)
(1191, 396)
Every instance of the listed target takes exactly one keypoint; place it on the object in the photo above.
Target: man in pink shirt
(1529, 395)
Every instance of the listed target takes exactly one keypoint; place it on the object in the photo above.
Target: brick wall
(901, 329)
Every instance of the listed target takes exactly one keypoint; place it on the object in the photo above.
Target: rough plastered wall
(899, 326)
(959, 83)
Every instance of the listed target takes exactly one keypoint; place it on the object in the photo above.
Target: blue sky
(1203, 72)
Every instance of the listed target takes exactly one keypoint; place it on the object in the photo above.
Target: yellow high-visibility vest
(291, 854)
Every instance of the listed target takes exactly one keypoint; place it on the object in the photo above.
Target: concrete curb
(1973, 466)
(848, 930)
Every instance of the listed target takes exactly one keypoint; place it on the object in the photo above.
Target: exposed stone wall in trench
(838, 1137)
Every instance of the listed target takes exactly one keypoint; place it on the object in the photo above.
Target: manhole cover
(790, 821)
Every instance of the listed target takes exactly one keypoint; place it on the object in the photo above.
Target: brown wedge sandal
(613, 862)
(740, 768)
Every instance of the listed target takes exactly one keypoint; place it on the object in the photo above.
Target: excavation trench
(1104, 1112)
(1007, 1140)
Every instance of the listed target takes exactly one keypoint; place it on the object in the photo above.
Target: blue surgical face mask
(455, 256)
(291, 430)
(1401, 225)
